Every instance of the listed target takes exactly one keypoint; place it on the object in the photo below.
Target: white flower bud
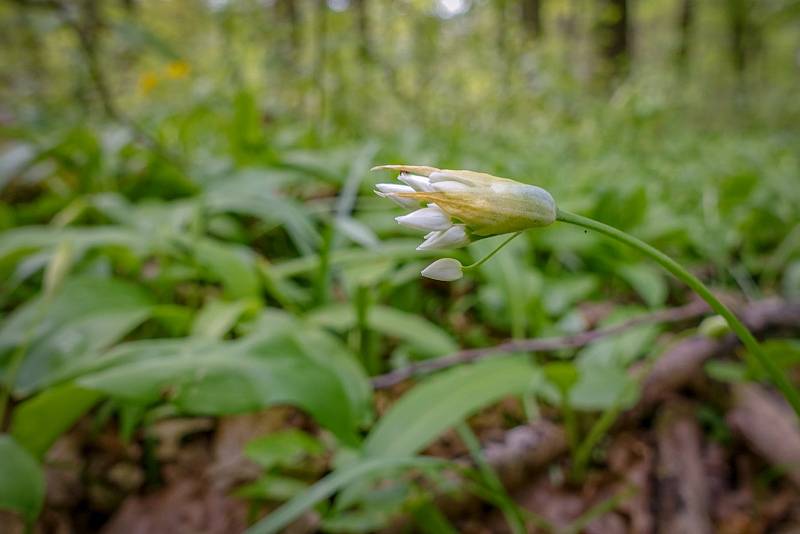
(454, 237)
(444, 270)
(426, 219)
(389, 191)
(486, 204)
(419, 183)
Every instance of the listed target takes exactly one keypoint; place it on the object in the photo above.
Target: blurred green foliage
(188, 226)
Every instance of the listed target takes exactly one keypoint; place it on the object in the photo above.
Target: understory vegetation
(209, 322)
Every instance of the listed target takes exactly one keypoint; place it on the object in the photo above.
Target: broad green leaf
(725, 371)
(283, 449)
(227, 377)
(395, 248)
(322, 347)
(21, 480)
(233, 265)
(252, 196)
(332, 483)
(87, 315)
(27, 239)
(40, 420)
(437, 404)
(559, 294)
(430, 520)
(512, 284)
(622, 349)
(562, 375)
(218, 317)
(599, 388)
(423, 335)
(647, 280)
(272, 487)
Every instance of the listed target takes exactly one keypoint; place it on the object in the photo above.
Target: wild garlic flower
(458, 207)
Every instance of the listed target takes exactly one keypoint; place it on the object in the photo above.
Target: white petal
(394, 188)
(444, 270)
(454, 237)
(426, 219)
(389, 191)
(450, 185)
(419, 183)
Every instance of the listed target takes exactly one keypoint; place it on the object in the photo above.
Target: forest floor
(669, 464)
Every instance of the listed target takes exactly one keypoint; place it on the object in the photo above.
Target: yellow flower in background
(178, 70)
(147, 82)
(150, 79)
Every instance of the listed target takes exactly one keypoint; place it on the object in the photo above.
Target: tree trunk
(685, 23)
(362, 21)
(737, 20)
(532, 17)
(286, 12)
(613, 33)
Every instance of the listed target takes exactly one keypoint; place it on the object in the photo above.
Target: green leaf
(424, 336)
(249, 195)
(21, 480)
(283, 449)
(430, 520)
(227, 377)
(730, 372)
(599, 388)
(272, 487)
(622, 349)
(436, 405)
(39, 421)
(218, 317)
(395, 248)
(647, 280)
(562, 375)
(87, 315)
(512, 284)
(27, 239)
(233, 265)
(330, 484)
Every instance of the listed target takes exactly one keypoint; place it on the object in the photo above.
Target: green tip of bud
(714, 327)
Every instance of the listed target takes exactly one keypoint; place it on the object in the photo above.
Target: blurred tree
(685, 22)
(532, 17)
(744, 34)
(289, 18)
(613, 37)
(362, 21)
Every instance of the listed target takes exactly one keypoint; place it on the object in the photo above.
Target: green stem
(492, 253)
(510, 510)
(774, 372)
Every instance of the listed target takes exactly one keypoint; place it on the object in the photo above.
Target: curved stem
(772, 370)
(492, 253)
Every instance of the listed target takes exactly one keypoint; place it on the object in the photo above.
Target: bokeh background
(198, 283)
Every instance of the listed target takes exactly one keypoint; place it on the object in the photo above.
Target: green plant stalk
(570, 422)
(584, 450)
(599, 510)
(492, 253)
(772, 370)
(509, 508)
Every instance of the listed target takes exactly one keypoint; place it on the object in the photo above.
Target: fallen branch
(768, 426)
(527, 449)
(673, 370)
(573, 341)
(683, 496)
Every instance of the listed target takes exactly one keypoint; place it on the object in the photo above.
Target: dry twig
(670, 315)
